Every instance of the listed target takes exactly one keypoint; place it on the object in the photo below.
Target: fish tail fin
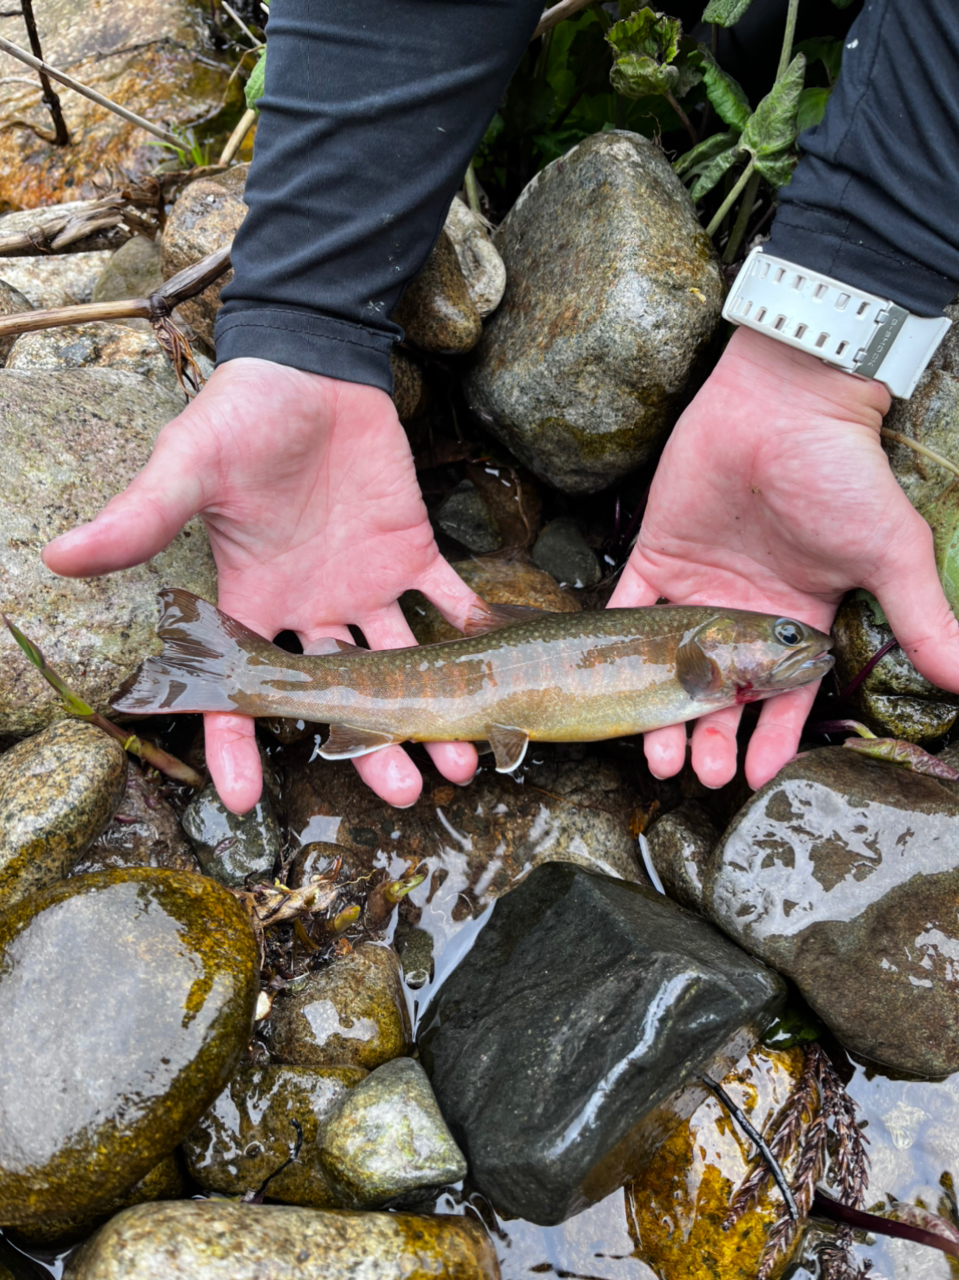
(203, 653)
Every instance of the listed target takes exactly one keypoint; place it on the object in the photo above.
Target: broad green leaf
(777, 170)
(255, 84)
(812, 105)
(712, 172)
(636, 75)
(824, 49)
(726, 12)
(704, 151)
(771, 130)
(645, 45)
(725, 93)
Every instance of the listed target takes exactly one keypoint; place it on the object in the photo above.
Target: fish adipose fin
(346, 742)
(509, 746)
(484, 617)
(697, 673)
(203, 650)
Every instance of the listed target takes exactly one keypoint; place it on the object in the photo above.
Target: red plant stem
(838, 1212)
(858, 678)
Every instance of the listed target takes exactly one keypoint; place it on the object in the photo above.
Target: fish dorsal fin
(697, 673)
(485, 617)
(509, 746)
(346, 742)
(329, 645)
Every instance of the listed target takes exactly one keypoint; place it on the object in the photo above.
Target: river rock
(12, 301)
(134, 271)
(189, 1240)
(512, 497)
(248, 1132)
(58, 790)
(843, 874)
(479, 260)
(894, 700)
(409, 388)
(56, 280)
(112, 346)
(563, 553)
(515, 580)
(613, 295)
(149, 55)
(70, 440)
(571, 1037)
(350, 1014)
(681, 844)
(233, 847)
(126, 999)
(386, 1140)
(464, 517)
(144, 832)
(436, 311)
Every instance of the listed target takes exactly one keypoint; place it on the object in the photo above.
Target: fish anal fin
(347, 741)
(484, 617)
(509, 746)
(696, 672)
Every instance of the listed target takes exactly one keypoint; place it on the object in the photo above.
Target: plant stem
(887, 433)
(731, 199)
(240, 23)
(50, 100)
(787, 51)
(742, 219)
(235, 139)
(683, 117)
(39, 65)
(554, 16)
(472, 189)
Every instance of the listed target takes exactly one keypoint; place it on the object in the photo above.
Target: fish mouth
(799, 669)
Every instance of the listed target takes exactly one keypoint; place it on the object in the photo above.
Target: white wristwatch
(846, 327)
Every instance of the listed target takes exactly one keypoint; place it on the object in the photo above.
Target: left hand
(774, 494)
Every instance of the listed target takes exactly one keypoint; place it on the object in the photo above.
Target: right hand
(308, 491)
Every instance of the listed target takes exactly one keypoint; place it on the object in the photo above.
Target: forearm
(371, 114)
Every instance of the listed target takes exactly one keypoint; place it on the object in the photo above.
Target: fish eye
(787, 632)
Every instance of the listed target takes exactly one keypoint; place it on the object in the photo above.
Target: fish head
(752, 655)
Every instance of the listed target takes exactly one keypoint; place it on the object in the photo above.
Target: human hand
(774, 494)
(307, 488)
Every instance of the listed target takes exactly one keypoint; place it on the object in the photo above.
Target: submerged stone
(233, 847)
(126, 999)
(571, 1037)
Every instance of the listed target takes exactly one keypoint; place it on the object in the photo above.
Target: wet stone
(117, 986)
(112, 346)
(386, 1141)
(191, 1239)
(144, 832)
(464, 517)
(409, 388)
(231, 847)
(414, 946)
(843, 874)
(559, 1046)
(681, 844)
(563, 553)
(134, 271)
(58, 791)
(350, 1014)
(248, 1132)
(479, 260)
(12, 301)
(612, 298)
(55, 280)
(436, 311)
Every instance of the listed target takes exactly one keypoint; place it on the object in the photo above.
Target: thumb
(918, 612)
(134, 525)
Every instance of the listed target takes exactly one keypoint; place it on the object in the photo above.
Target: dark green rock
(464, 517)
(232, 847)
(144, 831)
(386, 1140)
(843, 874)
(436, 311)
(352, 1013)
(247, 1134)
(126, 999)
(681, 844)
(214, 1239)
(563, 552)
(613, 294)
(558, 1046)
(58, 791)
(414, 947)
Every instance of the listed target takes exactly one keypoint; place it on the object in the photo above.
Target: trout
(518, 675)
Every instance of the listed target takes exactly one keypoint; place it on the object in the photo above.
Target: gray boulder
(613, 293)
(232, 847)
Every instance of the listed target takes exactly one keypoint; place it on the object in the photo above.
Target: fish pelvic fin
(484, 617)
(203, 653)
(509, 746)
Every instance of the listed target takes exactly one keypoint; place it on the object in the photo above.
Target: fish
(518, 675)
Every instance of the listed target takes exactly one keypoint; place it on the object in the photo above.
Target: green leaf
(842, 4)
(771, 130)
(727, 12)
(255, 84)
(71, 701)
(824, 49)
(725, 93)
(812, 105)
(712, 172)
(704, 151)
(645, 45)
(636, 76)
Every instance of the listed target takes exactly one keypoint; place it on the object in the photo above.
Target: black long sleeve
(874, 201)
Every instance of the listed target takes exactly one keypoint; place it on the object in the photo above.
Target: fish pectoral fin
(484, 617)
(509, 746)
(697, 673)
(346, 742)
(329, 644)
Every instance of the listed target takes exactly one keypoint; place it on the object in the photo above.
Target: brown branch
(61, 136)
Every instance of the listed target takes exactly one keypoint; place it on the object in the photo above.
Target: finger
(445, 589)
(776, 736)
(456, 761)
(665, 750)
(715, 747)
(233, 759)
(136, 524)
(911, 596)
(633, 591)
(392, 775)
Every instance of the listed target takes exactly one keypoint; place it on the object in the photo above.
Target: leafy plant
(192, 154)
